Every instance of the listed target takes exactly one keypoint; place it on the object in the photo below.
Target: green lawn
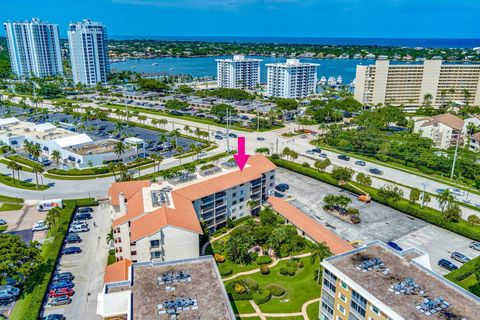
(466, 276)
(30, 301)
(300, 288)
(312, 311)
(23, 168)
(9, 181)
(10, 206)
(23, 160)
(111, 256)
(243, 305)
(3, 228)
(286, 318)
(249, 318)
(10, 199)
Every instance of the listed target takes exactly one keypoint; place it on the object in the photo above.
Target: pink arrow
(241, 158)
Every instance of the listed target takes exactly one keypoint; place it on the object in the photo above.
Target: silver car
(475, 245)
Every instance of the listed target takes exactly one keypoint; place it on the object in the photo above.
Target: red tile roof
(309, 225)
(129, 188)
(117, 271)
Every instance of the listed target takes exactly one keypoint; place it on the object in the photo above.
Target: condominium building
(88, 52)
(409, 84)
(239, 72)
(161, 221)
(376, 282)
(292, 79)
(445, 130)
(34, 48)
(181, 289)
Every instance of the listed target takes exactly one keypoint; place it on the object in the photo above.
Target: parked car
(2, 222)
(218, 137)
(232, 135)
(360, 163)
(73, 238)
(60, 301)
(309, 152)
(282, 187)
(395, 246)
(60, 292)
(79, 223)
(71, 250)
(81, 228)
(61, 284)
(8, 293)
(444, 263)
(317, 150)
(460, 257)
(323, 155)
(202, 154)
(376, 171)
(260, 138)
(82, 216)
(39, 225)
(343, 157)
(475, 245)
(84, 210)
(55, 316)
(63, 276)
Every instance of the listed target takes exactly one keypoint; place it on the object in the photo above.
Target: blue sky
(277, 18)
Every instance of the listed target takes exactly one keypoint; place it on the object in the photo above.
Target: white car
(79, 228)
(202, 154)
(2, 222)
(40, 225)
(79, 223)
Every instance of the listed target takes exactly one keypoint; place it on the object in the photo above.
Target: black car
(73, 238)
(317, 150)
(71, 250)
(444, 263)
(54, 317)
(343, 157)
(376, 171)
(84, 210)
(63, 276)
(82, 216)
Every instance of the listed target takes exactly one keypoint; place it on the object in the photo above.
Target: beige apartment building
(407, 84)
(376, 282)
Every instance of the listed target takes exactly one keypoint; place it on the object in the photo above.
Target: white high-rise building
(88, 52)
(239, 72)
(292, 79)
(409, 84)
(34, 48)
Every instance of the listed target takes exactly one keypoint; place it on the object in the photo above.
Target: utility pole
(228, 138)
(258, 121)
(277, 145)
(454, 158)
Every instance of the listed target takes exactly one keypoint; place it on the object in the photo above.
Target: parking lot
(87, 267)
(20, 222)
(378, 221)
(439, 244)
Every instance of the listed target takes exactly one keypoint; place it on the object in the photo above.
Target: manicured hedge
(465, 271)
(264, 260)
(238, 296)
(276, 290)
(225, 270)
(261, 296)
(427, 214)
(23, 160)
(97, 170)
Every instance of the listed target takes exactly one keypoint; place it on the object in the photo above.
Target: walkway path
(263, 316)
(270, 266)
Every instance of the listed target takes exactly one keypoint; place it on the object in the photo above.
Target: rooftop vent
(183, 178)
(229, 164)
(407, 286)
(371, 264)
(174, 276)
(159, 198)
(210, 171)
(173, 307)
(432, 306)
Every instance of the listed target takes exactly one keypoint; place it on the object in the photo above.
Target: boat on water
(133, 67)
(332, 82)
(339, 80)
(171, 69)
(155, 64)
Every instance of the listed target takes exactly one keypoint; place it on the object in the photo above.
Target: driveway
(87, 267)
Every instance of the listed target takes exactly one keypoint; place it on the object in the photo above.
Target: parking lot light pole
(423, 193)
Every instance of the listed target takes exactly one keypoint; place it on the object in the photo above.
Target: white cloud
(202, 4)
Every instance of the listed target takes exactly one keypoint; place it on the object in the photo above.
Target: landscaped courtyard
(268, 269)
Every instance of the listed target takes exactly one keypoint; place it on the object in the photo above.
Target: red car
(60, 292)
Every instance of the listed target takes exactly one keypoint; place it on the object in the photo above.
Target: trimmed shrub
(264, 260)
(264, 269)
(300, 264)
(225, 270)
(240, 288)
(276, 290)
(261, 296)
(219, 258)
(291, 271)
(238, 285)
(251, 284)
(283, 271)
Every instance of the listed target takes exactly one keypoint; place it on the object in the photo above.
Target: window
(156, 255)
(155, 243)
(341, 309)
(344, 285)
(343, 298)
(234, 202)
(234, 194)
(375, 310)
(242, 199)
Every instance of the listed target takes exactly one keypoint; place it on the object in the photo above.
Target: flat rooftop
(97, 147)
(205, 286)
(31, 130)
(463, 305)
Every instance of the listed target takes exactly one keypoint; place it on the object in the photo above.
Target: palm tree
(427, 100)
(174, 134)
(179, 150)
(111, 167)
(56, 156)
(445, 199)
(12, 166)
(466, 96)
(320, 251)
(119, 149)
(110, 236)
(52, 217)
(37, 169)
(186, 129)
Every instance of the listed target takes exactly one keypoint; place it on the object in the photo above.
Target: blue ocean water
(206, 66)
(396, 42)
